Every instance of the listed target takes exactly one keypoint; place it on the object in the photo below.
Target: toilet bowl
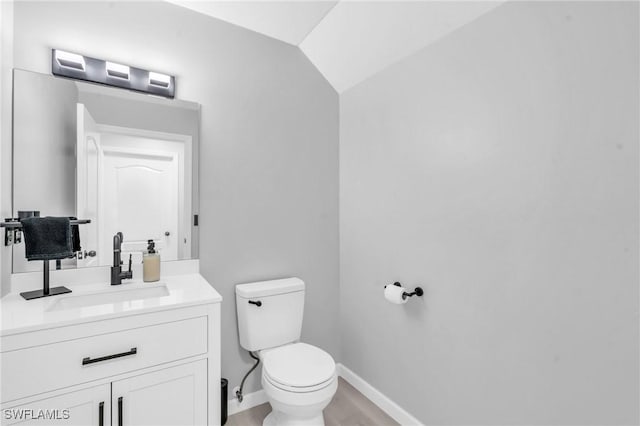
(298, 379)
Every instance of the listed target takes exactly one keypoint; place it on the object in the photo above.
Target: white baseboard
(394, 411)
(249, 400)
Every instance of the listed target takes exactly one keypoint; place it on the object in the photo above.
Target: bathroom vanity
(130, 354)
(133, 354)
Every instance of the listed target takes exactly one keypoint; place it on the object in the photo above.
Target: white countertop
(20, 315)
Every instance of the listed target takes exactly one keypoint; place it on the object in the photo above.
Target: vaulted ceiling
(348, 41)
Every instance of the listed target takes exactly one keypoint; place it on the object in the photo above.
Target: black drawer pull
(101, 414)
(257, 303)
(88, 360)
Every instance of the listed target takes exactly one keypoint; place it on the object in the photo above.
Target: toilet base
(278, 418)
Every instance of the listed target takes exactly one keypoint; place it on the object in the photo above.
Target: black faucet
(116, 270)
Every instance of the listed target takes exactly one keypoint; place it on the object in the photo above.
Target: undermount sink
(122, 294)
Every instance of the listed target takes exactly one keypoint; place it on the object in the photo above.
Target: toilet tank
(269, 312)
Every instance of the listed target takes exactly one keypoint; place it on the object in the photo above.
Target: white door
(173, 396)
(86, 407)
(139, 198)
(87, 180)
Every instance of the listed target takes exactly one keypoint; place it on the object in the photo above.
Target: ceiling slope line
(319, 22)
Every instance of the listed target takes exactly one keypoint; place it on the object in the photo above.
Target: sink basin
(122, 294)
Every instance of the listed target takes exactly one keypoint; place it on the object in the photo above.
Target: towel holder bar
(12, 229)
(14, 223)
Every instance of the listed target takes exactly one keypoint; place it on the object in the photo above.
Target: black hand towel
(47, 238)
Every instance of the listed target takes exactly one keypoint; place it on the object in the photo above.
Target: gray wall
(498, 168)
(268, 151)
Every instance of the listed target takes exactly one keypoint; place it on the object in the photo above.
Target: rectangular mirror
(124, 160)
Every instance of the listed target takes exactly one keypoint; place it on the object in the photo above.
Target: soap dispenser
(151, 263)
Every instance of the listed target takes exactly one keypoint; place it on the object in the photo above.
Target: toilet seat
(298, 367)
(294, 389)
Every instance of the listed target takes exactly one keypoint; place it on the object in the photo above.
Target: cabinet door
(86, 407)
(173, 396)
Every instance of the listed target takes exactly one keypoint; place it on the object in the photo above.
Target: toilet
(298, 379)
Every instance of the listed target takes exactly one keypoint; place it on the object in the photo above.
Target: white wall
(498, 168)
(268, 144)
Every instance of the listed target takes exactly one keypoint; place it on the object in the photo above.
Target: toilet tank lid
(269, 288)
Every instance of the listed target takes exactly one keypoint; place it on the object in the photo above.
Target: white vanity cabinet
(173, 396)
(158, 366)
(88, 405)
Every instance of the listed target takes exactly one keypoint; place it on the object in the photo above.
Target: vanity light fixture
(79, 67)
(117, 70)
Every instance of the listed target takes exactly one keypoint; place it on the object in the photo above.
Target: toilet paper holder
(416, 292)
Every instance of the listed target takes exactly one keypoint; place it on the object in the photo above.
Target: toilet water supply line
(239, 391)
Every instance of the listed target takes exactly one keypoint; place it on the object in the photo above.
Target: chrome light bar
(79, 67)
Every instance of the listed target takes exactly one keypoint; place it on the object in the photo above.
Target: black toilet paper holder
(416, 292)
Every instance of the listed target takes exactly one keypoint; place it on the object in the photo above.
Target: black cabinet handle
(88, 360)
(120, 411)
(256, 302)
(101, 414)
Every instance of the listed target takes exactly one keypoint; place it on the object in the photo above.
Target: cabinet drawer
(44, 368)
